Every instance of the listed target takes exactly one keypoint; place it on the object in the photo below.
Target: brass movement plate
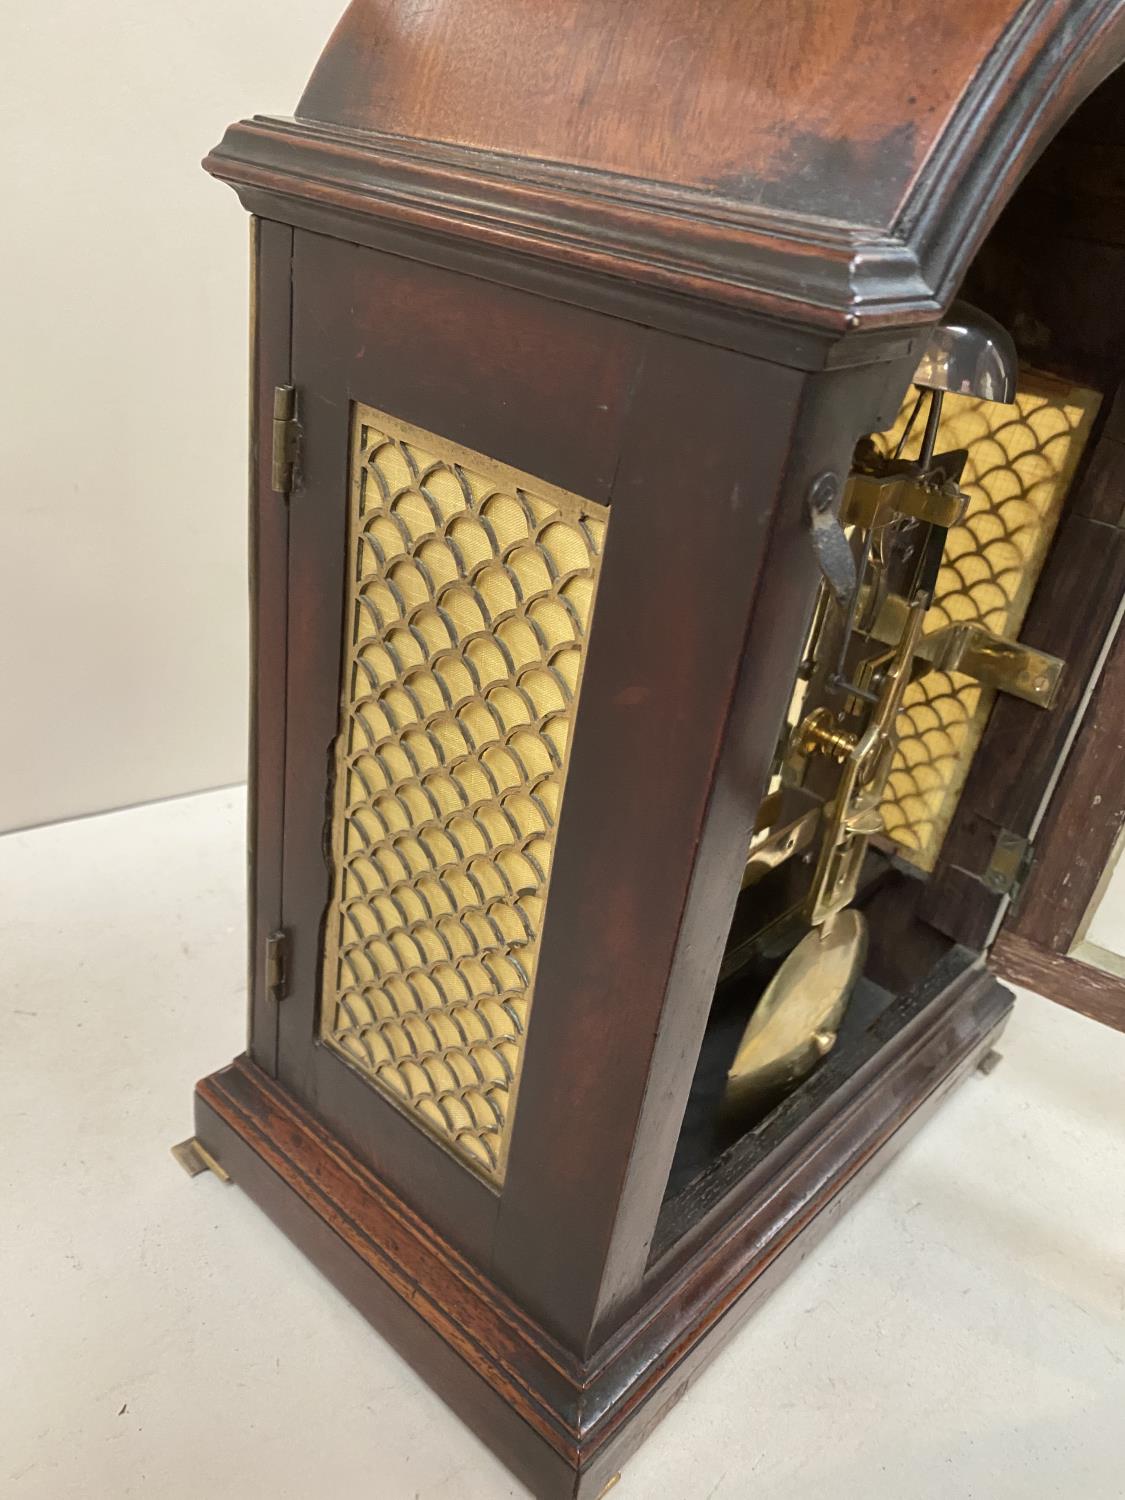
(470, 593)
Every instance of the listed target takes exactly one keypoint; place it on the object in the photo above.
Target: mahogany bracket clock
(663, 491)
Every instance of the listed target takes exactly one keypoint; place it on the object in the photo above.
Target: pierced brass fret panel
(1020, 464)
(469, 598)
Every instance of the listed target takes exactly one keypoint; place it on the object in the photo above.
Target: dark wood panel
(962, 907)
(1054, 301)
(1102, 495)
(1076, 985)
(1076, 191)
(530, 383)
(703, 453)
(269, 563)
(1083, 822)
(1115, 420)
(832, 409)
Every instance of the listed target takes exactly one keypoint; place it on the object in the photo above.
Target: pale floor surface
(960, 1334)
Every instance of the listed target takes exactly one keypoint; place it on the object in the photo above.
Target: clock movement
(669, 517)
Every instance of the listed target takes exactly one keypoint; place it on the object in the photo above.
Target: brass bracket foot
(195, 1158)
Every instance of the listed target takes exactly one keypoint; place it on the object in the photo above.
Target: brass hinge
(286, 440)
(1011, 859)
(277, 965)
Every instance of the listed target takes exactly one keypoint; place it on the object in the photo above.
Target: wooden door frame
(1060, 784)
(1076, 841)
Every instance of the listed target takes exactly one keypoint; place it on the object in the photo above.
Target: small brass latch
(1010, 862)
(286, 440)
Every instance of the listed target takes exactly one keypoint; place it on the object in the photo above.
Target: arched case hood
(829, 165)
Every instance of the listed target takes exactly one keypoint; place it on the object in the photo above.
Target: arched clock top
(828, 165)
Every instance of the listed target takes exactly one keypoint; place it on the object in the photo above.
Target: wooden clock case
(672, 262)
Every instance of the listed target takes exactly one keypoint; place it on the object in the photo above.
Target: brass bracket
(871, 500)
(285, 439)
(1011, 859)
(990, 659)
(787, 823)
(195, 1158)
(996, 662)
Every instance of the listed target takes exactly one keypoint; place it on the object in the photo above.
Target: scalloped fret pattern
(470, 594)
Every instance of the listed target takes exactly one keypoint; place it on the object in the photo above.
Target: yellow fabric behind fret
(470, 594)
(1021, 461)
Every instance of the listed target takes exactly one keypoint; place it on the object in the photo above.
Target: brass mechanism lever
(993, 660)
(852, 815)
(879, 543)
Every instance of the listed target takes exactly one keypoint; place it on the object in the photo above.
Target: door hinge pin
(286, 440)
(277, 965)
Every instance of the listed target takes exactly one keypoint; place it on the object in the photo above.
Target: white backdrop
(123, 362)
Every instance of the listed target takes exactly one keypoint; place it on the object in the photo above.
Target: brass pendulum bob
(796, 1021)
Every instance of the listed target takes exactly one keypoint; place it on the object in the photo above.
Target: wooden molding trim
(518, 1359)
(574, 1420)
(1059, 977)
(824, 274)
(670, 238)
